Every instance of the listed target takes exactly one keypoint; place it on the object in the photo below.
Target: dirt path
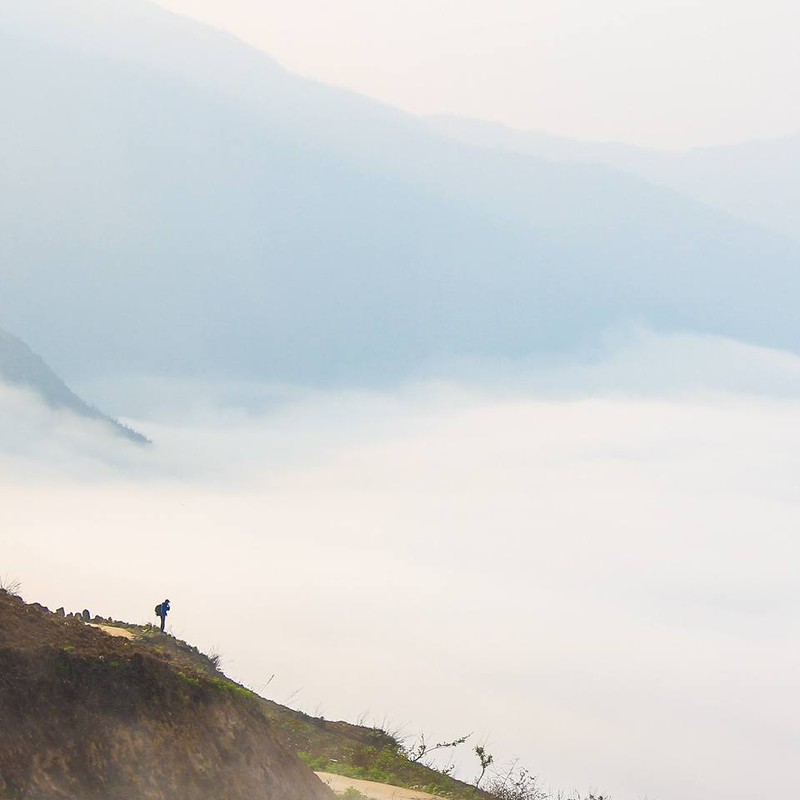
(112, 631)
(375, 791)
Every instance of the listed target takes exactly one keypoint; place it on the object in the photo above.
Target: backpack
(158, 610)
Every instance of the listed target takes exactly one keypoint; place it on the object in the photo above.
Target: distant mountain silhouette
(21, 367)
(758, 181)
(173, 202)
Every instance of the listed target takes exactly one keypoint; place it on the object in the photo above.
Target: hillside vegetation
(142, 715)
(90, 715)
(353, 750)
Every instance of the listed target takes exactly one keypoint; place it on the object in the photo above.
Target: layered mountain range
(174, 202)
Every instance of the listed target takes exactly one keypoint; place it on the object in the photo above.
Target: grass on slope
(354, 751)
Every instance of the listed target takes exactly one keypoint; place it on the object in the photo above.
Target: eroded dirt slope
(88, 716)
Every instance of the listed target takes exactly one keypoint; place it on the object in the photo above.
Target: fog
(596, 576)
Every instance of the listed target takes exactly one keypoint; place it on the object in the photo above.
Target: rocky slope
(90, 716)
(21, 367)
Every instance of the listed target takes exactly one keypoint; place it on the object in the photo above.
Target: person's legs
(163, 622)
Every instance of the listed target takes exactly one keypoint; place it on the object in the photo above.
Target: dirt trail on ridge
(113, 631)
(373, 790)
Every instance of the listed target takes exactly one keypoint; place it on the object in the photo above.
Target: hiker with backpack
(162, 609)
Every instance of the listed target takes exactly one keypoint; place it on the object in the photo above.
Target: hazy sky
(666, 73)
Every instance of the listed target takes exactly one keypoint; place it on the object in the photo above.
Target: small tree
(486, 761)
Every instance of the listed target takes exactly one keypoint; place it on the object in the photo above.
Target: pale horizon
(566, 70)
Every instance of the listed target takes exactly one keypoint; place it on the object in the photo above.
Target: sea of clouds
(590, 564)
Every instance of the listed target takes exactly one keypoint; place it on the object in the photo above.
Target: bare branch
(422, 748)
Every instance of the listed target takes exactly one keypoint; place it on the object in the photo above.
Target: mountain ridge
(754, 180)
(21, 367)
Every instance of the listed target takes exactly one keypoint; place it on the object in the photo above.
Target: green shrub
(232, 688)
(190, 679)
(317, 763)
(351, 793)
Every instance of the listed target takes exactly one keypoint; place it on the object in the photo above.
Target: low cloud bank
(602, 580)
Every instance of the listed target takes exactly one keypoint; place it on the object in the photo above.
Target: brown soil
(88, 716)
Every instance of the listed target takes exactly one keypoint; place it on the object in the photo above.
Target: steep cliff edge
(87, 716)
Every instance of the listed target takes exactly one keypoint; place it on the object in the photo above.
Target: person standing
(162, 609)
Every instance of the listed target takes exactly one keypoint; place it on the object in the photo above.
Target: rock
(60, 612)
(86, 615)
